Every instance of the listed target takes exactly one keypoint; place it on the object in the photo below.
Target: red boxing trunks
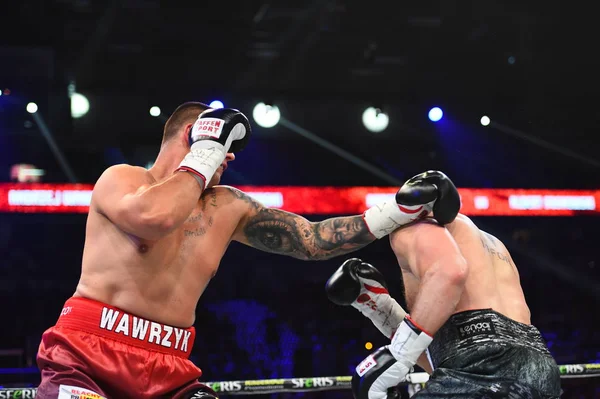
(99, 351)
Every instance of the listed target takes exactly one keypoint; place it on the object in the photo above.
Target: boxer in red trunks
(154, 240)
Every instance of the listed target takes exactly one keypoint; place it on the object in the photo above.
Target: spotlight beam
(54, 147)
(544, 144)
(341, 152)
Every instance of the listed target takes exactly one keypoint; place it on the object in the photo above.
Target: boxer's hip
(99, 319)
(123, 354)
(485, 343)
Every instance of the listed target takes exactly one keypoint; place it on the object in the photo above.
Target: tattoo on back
(490, 246)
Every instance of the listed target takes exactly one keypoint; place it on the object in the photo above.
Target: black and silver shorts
(483, 354)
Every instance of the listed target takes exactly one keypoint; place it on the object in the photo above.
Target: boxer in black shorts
(469, 325)
(488, 355)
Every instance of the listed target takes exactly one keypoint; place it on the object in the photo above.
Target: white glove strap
(386, 217)
(388, 379)
(204, 158)
(408, 344)
(383, 310)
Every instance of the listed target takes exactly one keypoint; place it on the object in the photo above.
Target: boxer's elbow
(156, 225)
(452, 271)
(458, 270)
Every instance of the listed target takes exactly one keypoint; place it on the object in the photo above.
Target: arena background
(531, 69)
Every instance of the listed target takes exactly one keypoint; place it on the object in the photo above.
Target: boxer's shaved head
(184, 114)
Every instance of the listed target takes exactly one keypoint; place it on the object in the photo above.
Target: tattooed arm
(285, 233)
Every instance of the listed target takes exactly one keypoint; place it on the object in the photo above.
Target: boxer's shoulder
(120, 178)
(124, 168)
(462, 221)
(222, 190)
(466, 231)
(124, 173)
(424, 237)
(405, 235)
(227, 195)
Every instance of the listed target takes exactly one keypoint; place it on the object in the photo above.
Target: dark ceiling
(532, 69)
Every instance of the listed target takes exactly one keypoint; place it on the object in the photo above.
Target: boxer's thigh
(444, 385)
(66, 383)
(62, 371)
(449, 383)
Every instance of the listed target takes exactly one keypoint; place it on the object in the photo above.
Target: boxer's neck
(168, 160)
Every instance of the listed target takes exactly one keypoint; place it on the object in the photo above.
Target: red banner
(75, 198)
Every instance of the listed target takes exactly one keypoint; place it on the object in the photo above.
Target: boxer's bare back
(162, 278)
(492, 280)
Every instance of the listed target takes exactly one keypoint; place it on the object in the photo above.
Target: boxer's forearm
(288, 234)
(423, 362)
(163, 207)
(284, 233)
(338, 236)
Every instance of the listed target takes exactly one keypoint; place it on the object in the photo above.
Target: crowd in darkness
(267, 316)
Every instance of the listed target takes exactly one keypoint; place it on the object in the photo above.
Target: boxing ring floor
(414, 382)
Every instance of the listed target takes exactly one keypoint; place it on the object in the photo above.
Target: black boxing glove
(376, 376)
(431, 187)
(423, 193)
(362, 286)
(215, 133)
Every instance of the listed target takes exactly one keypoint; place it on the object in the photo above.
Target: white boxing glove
(215, 133)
